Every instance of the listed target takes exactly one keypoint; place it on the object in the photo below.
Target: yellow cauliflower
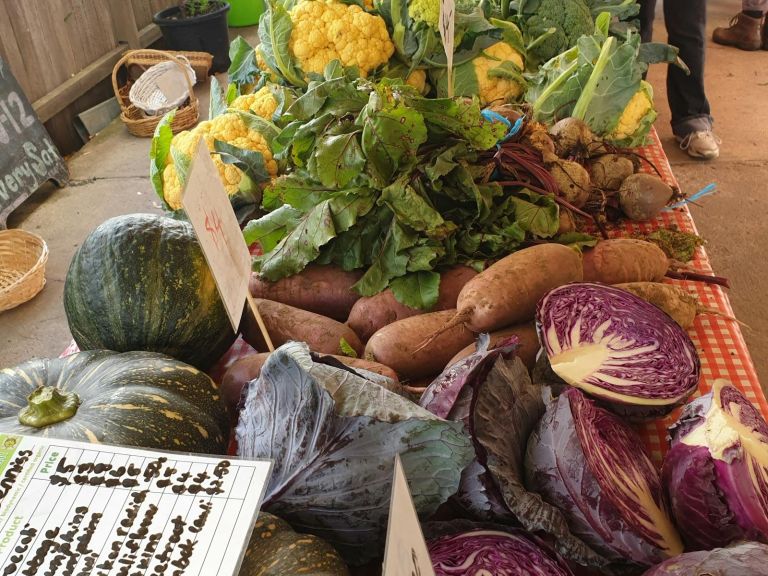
(325, 30)
(228, 128)
(637, 117)
(262, 103)
(418, 79)
(494, 89)
(427, 11)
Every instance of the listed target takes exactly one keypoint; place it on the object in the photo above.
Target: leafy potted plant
(197, 26)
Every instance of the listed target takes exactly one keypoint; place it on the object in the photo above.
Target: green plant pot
(245, 12)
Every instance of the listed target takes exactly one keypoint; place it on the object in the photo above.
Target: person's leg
(646, 17)
(744, 31)
(686, 22)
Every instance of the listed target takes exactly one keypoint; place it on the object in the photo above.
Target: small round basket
(22, 267)
(145, 95)
(141, 124)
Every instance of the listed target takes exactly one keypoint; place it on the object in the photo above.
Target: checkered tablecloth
(718, 340)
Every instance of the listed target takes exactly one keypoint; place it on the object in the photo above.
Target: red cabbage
(747, 559)
(590, 464)
(486, 552)
(617, 348)
(716, 472)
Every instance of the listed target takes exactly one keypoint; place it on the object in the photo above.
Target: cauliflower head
(636, 119)
(569, 18)
(326, 30)
(494, 88)
(262, 103)
(426, 11)
(418, 79)
(229, 128)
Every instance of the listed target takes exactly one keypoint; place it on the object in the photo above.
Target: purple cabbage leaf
(716, 471)
(746, 559)
(590, 464)
(617, 348)
(333, 436)
(492, 393)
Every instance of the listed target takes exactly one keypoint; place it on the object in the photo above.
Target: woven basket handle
(167, 56)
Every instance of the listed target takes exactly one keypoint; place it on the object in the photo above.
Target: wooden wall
(61, 51)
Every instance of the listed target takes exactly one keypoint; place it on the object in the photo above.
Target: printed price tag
(73, 508)
(207, 206)
(446, 25)
(406, 553)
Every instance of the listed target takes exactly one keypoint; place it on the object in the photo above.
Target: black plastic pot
(206, 33)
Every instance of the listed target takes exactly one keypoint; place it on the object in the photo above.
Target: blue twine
(706, 191)
(512, 129)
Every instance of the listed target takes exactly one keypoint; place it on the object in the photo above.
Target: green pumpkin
(139, 399)
(276, 550)
(141, 282)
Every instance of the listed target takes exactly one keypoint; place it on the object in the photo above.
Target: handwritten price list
(72, 509)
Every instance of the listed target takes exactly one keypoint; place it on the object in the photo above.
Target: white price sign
(73, 508)
(406, 553)
(207, 206)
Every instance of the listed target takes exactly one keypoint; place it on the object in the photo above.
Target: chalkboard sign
(27, 156)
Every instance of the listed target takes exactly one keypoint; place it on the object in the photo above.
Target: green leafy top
(387, 181)
(595, 80)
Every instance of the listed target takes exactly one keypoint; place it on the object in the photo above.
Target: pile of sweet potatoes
(413, 346)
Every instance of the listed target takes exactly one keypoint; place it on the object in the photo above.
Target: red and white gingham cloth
(718, 340)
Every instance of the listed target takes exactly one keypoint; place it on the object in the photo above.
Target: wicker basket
(138, 61)
(22, 267)
(147, 96)
(138, 123)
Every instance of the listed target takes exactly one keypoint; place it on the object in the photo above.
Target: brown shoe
(744, 33)
(765, 34)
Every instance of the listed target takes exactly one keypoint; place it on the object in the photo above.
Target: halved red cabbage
(747, 559)
(590, 464)
(617, 348)
(716, 472)
(486, 552)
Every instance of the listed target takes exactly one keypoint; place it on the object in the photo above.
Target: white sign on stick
(406, 553)
(446, 25)
(73, 508)
(207, 206)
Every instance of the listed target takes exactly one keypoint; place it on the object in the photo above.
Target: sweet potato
(285, 323)
(624, 260)
(529, 343)
(372, 313)
(248, 368)
(395, 345)
(507, 292)
(325, 290)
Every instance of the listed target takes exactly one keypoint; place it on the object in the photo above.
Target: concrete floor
(110, 177)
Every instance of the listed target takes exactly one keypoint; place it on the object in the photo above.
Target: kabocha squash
(141, 282)
(135, 398)
(276, 550)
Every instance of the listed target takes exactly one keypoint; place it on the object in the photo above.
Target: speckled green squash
(276, 550)
(135, 398)
(141, 282)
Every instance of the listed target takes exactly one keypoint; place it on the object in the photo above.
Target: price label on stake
(77, 508)
(209, 211)
(446, 25)
(406, 552)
